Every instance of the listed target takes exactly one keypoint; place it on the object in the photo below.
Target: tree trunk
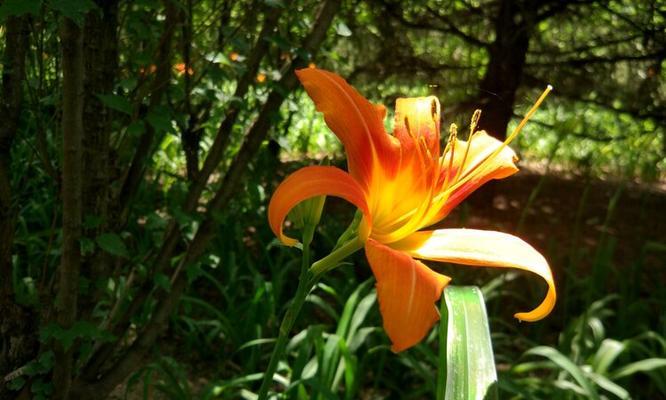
(18, 325)
(70, 261)
(100, 51)
(508, 53)
(13, 76)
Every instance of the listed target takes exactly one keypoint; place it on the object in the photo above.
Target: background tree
(597, 54)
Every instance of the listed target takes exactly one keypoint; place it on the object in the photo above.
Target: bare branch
(606, 103)
(583, 49)
(579, 62)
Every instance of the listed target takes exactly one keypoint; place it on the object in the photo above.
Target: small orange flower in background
(233, 56)
(261, 77)
(402, 184)
(312, 65)
(180, 69)
(148, 70)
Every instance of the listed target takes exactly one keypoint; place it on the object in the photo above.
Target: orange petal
(407, 291)
(486, 249)
(310, 182)
(354, 120)
(472, 170)
(417, 117)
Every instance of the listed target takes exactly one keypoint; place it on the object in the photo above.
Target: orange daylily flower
(180, 69)
(402, 184)
(261, 77)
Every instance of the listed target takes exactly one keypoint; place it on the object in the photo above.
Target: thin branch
(538, 83)
(449, 27)
(586, 136)
(636, 25)
(560, 6)
(189, 135)
(584, 49)
(134, 174)
(579, 62)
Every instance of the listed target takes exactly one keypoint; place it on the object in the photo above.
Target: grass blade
(567, 365)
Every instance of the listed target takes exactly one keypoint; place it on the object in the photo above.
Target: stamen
(423, 143)
(451, 141)
(474, 122)
(508, 140)
(529, 114)
(417, 143)
(412, 219)
(433, 111)
(472, 127)
(450, 146)
(409, 131)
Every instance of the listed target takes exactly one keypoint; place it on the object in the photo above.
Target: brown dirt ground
(572, 213)
(576, 222)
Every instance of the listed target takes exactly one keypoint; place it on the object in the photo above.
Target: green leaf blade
(467, 364)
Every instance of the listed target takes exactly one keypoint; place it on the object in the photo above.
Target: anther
(409, 131)
(433, 110)
(453, 133)
(529, 114)
(474, 122)
(451, 145)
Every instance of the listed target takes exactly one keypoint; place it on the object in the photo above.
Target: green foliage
(112, 244)
(73, 9)
(585, 361)
(19, 7)
(116, 102)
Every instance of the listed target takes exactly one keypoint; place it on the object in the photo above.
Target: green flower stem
(306, 282)
(304, 287)
(332, 260)
(351, 230)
